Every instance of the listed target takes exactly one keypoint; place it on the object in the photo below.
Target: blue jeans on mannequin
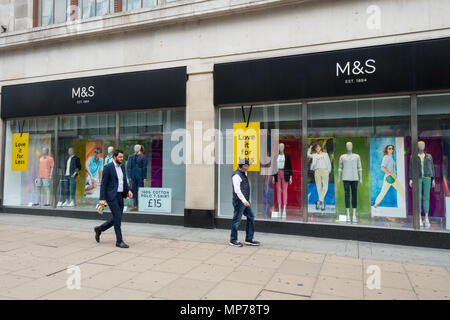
(239, 210)
(70, 185)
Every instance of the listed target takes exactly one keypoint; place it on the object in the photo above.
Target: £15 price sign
(155, 200)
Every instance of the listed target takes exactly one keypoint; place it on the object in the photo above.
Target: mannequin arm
(360, 176)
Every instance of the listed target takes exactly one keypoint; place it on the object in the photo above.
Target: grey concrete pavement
(170, 262)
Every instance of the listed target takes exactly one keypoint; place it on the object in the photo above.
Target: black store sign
(115, 92)
(404, 67)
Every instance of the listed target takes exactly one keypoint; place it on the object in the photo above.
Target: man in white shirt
(241, 204)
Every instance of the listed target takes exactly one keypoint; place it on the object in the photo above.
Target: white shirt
(120, 176)
(422, 159)
(319, 161)
(237, 187)
(68, 166)
(349, 165)
(280, 161)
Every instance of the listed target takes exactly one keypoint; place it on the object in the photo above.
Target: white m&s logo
(83, 92)
(357, 68)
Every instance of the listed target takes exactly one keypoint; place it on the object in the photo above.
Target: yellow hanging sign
(20, 152)
(246, 144)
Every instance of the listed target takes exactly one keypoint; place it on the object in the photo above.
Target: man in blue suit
(114, 188)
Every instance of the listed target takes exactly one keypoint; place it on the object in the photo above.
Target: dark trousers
(136, 183)
(354, 186)
(239, 210)
(70, 186)
(116, 207)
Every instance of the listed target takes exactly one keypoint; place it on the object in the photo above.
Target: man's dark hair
(116, 152)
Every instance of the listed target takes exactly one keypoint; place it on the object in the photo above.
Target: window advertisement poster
(155, 200)
(93, 168)
(20, 151)
(321, 187)
(387, 176)
(246, 144)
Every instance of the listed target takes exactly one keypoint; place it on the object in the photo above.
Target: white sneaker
(71, 204)
(59, 204)
(65, 204)
(427, 223)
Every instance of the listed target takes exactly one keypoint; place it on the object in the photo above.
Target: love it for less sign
(246, 144)
(20, 152)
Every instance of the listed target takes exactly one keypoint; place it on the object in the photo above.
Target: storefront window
(157, 181)
(276, 187)
(433, 161)
(83, 146)
(29, 167)
(358, 157)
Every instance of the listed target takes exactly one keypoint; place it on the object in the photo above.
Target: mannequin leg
(279, 193)
(285, 188)
(347, 194)
(348, 214)
(354, 187)
(420, 202)
(426, 200)
(38, 195)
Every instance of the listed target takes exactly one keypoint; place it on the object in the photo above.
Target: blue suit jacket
(137, 166)
(110, 183)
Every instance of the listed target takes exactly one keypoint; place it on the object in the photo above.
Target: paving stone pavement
(172, 262)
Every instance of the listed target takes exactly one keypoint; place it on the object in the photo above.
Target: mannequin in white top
(350, 170)
(282, 175)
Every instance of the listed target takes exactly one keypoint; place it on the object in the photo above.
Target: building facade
(345, 91)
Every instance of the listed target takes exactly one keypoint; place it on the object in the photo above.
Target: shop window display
(432, 158)
(145, 138)
(276, 187)
(33, 186)
(82, 156)
(358, 161)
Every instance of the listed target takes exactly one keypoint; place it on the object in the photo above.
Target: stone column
(200, 175)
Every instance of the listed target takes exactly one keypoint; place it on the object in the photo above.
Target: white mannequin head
(110, 150)
(70, 151)
(281, 147)
(45, 151)
(137, 147)
(421, 146)
(349, 146)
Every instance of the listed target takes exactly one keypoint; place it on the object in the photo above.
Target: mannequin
(45, 172)
(109, 156)
(282, 174)
(321, 165)
(137, 173)
(72, 167)
(426, 180)
(350, 170)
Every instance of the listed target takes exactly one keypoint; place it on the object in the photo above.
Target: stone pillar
(200, 175)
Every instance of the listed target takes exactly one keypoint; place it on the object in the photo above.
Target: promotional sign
(155, 200)
(20, 151)
(246, 144)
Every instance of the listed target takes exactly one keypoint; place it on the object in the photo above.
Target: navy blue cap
(243, 161)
